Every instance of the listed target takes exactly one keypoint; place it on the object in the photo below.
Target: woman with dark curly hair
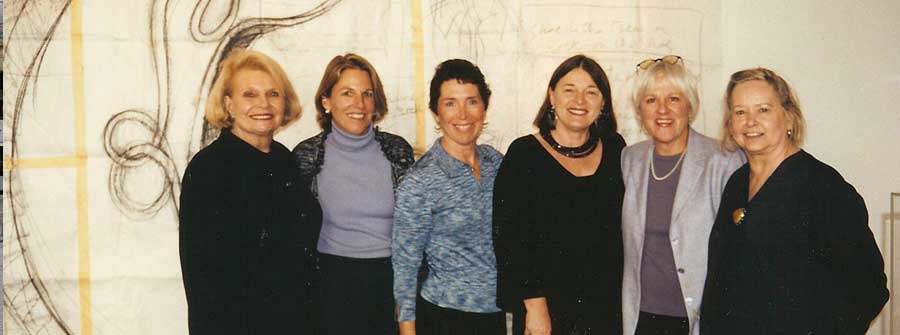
(443, 214)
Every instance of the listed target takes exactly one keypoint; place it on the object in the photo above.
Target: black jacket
(247, 241)
(802, 260)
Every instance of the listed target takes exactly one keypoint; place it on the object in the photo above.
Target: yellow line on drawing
(418, 50)
(81, 197)
(40, 163)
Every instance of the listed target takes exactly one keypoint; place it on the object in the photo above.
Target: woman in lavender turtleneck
(352, 169)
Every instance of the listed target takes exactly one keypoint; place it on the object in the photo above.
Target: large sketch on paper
(518, 46)
(27, 299)
(146, 68)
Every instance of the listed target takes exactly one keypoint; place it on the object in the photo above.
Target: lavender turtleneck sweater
(357, 197)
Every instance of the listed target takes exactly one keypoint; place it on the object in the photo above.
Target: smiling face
(352, 102)
(577, 101)
(665, 115)
(257, 105)
(460, 114)
(759, 123)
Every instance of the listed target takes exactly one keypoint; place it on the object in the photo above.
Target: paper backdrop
(103, 100)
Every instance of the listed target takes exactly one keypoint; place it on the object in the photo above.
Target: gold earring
(437, 129)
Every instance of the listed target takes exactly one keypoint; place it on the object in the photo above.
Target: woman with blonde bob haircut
(673, 182)
(247, 228)
(785, 95)
(352, 168)
(223, 87)
(791, 251)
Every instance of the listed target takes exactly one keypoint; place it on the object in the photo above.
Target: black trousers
(655, 324)
(432, 319)
(357, 296)
(576, 319)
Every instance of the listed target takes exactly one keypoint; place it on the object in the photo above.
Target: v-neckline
(776, 173)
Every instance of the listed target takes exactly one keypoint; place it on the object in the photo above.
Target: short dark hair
(606, 122)
(464, 72)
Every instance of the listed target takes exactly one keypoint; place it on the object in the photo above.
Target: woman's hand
(408, 327)
(537, 317)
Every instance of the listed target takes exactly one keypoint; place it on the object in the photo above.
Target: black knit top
(559, 236)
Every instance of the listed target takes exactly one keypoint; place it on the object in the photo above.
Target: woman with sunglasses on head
(353, 169)
(557, 211)
(791, 251)
(673, 183)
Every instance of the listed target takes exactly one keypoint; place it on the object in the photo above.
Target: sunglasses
(669, 59)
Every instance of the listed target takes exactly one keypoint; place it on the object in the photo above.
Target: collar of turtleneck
(349, 142)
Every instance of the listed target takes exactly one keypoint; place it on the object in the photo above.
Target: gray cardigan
(704, 172)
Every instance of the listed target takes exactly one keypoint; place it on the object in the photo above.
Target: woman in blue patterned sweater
(443, 214)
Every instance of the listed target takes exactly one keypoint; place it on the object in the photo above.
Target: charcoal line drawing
(29, 302)
(230, 34)
(514, 43)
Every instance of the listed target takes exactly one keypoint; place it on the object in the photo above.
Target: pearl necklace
(653, 170)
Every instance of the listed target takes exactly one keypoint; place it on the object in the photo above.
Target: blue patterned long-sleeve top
(443, 214)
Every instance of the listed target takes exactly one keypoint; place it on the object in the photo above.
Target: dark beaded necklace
(572, 152)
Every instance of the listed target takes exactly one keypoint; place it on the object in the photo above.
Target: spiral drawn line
(28, 301)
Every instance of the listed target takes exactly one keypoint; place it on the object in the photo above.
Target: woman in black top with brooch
(557, 211)
(791, 251)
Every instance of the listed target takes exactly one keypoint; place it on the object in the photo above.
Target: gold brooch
(738, 216)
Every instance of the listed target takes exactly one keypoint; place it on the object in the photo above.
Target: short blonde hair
(785, 95)
(332, 75)
(239, 60)
(677, 75)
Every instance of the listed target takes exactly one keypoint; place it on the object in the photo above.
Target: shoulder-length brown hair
(332, 75)
(239, 60)
(606, 122)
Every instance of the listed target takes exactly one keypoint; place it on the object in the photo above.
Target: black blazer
(247, 241)
(802, 260)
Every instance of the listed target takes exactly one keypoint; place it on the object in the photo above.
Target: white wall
(843, 59)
